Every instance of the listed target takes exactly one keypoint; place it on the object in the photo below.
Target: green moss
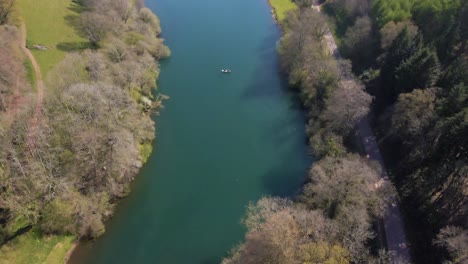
(135, 94)
(33, 247)
(132, 38)
(282, 7)
(145, 150)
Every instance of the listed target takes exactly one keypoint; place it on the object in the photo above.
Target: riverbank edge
(70, 251)
(145, 151)
(34, 75)
(273, 12)
(275, 7)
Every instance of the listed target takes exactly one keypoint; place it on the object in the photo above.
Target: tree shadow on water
(285, 181)
(267, 79)
(263, 76)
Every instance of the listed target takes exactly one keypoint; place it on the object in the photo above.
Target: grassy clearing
(48, 23)
(282, 7)
(32, 247)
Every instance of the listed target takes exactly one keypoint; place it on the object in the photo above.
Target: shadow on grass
(73, 20)
(77, 6)
(73, 46)
(17, 234)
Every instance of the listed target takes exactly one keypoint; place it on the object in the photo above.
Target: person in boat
(226, 70)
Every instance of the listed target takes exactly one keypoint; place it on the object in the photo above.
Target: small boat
(225, 70)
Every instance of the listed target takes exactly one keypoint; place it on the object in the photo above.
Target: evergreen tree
(421, 70)
(400, 50)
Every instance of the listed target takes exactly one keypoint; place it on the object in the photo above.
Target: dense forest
(412, 56)
(95, 130)
(409, 59)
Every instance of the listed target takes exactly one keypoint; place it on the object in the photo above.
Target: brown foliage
(413, 112)
(390, 31)
(345, 189)
(87, 143)
(455, 240)
(348, 104)
(6, 9)
(281, 233)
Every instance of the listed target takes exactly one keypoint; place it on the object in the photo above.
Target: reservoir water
(222, 140)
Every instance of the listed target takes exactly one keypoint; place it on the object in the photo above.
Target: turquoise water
(222, 140)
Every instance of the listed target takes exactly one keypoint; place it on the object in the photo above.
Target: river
(222, 140)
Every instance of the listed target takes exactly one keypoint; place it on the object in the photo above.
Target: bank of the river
(44, 211)
(223, 139)
(48, 31)
(280, 9)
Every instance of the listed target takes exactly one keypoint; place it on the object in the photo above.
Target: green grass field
(31, 248)
(48, 24)
(282, 7)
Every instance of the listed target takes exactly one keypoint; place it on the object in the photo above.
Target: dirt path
(392, 221)
(31, 138)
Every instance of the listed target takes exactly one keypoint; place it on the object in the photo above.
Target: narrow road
(392, 221)
(31, 138)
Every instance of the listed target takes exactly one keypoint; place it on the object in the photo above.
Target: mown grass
(49, 23)
(32, 247)
(282, 7)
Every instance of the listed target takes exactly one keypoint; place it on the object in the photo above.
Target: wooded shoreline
(80, 162)
(414, 76)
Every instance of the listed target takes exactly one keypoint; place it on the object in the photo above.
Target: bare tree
(94, 26)
(348, 104)
(390, 31)
(302, 42)
(6, 9)
(455, 241)
(413, 112)
(337, 183)
(123, 8)
(358, 39)
(345, 189)
(281, 233)
(148, 17)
